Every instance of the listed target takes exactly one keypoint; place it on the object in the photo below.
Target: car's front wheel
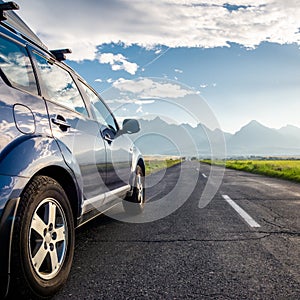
(135, 204)
(43, 239)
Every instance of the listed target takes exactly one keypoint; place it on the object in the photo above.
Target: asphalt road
(193, 253)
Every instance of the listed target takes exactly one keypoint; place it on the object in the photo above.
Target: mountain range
(158, 137)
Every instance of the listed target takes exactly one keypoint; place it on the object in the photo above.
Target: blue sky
(241, 57)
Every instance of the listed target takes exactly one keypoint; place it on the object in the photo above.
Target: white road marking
(204, 175)
(241, 212)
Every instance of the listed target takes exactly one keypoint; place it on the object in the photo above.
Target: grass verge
(285, 169)
(155, 165)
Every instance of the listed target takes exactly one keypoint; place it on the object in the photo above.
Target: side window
(16, 66)
(101, 112)
(59, 85)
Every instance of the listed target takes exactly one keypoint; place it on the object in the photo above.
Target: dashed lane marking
(247, 218)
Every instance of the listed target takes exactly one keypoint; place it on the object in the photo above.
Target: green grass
(285, 169)
(155, 165)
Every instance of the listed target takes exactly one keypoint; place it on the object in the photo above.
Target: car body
(63, 160)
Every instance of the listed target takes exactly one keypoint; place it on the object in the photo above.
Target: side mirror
(130, 126)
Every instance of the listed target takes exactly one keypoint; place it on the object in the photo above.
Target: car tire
(135, 204)
(43, 240)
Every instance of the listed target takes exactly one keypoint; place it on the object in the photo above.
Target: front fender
(137, 159)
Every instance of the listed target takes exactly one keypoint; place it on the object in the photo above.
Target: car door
(77, 134)
(118, 147)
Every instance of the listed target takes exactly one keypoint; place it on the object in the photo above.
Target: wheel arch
(67, 182)
(141, 163)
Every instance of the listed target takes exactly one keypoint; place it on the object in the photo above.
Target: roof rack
(7, 6)
(60, 53)
(13, 22)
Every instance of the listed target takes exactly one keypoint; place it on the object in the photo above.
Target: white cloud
(98, 80)
(141, 102)
(178, 71)
(83, 25)
(125, 100)
(109, 80)
(146, 88)
(118, 62)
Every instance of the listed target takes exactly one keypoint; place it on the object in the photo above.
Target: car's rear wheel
(43, 239)
(135, 204)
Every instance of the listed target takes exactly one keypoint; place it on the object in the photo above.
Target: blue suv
(63, 160)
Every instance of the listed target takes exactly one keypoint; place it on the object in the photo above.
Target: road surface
(245, 244)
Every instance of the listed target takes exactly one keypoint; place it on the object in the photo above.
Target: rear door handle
(61, 122)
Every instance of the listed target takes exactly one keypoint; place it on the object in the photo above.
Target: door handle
(61, 122)
(108, 138)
